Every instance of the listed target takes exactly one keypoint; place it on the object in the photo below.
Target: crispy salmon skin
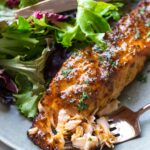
(88, 81)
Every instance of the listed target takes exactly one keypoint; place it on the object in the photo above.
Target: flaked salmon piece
(88, 81)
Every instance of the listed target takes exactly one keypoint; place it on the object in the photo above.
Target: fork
(124, 123)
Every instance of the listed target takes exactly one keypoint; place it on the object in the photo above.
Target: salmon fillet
(88, 81)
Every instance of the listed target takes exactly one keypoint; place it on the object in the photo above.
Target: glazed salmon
(90, 80)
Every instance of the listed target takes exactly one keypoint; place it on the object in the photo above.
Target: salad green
(17, 3)
(24, 48)
(91, 23)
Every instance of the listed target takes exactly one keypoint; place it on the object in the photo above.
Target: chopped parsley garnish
(90, 139)
(142, 10)
(82, 105)
(148, 34)
(65, 72)
(142, 78)
(147, 23)
(137, 34)
(86, 81)
(84, 95)
(113, 63)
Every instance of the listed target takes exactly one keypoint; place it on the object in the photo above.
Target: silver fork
(124, 123)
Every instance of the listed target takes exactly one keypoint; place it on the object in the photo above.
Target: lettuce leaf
(27, 99)
(29, 78)
(23, 54)
(6, 82)
(91, 23)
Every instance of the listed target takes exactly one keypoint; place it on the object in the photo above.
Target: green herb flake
(147, 23)
(86, 81)
(113, 63)
(148, 34)
(137, 34)
(84, 95)
(65, 72)
(82, 105)
(142, 78)
(142, 10)
(90, 139)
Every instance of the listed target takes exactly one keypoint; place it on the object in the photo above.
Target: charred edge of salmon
(38, 133)
(39, 137)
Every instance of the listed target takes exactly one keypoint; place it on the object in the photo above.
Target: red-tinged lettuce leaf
(29, 77)
(7, 88)
(7, 82)
(12, 3)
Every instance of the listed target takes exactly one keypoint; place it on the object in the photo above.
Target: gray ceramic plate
(13, 127)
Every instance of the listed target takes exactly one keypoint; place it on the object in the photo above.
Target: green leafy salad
(27, 43)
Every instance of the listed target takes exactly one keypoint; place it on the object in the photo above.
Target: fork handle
(143, 109)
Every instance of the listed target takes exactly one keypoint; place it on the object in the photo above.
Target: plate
(13, 126)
